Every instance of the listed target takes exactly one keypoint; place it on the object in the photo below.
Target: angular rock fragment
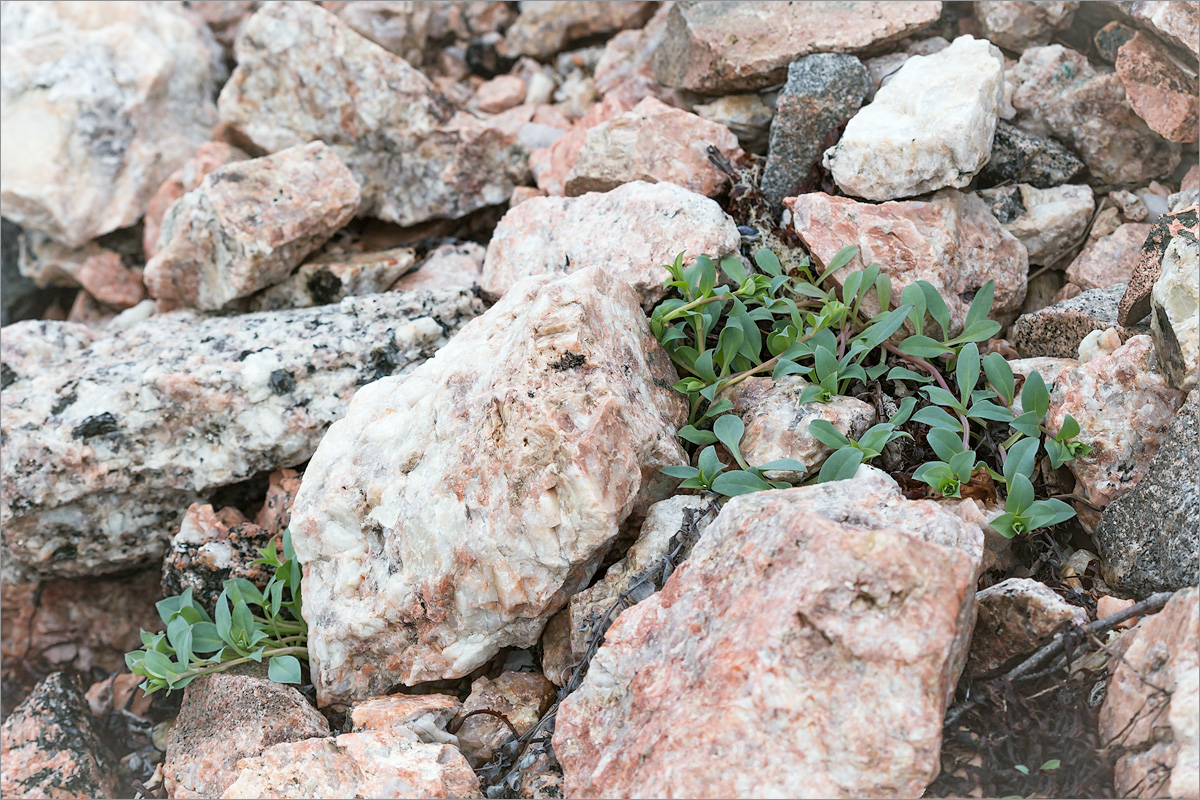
(107, 441)
(414, 157)
(1109, 260)
(721, 48)
(101, 102)
(791, 602)
(1135, 304)
(629, 232)
(1159, 91)
(211, 547)
(331, 278)
(1049, 222)
(950, 240)
(248, 224)
(551, 165)
(1177, 23)
(1018, 25)
(519, 697)
(543, 29)
(99, 270)
(1057, 330)
(468, 19)
(1020, 157)
(1148, 539)
(500, 94)
(448, 265)
(625, 71)
(1175, 312)
(563, 384)
(930, 127)
(747, 115)
(398, 27)
(208, 157)
(426, 715)
(1016, 616)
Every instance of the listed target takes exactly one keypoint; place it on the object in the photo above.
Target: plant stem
(683, 309)
(224, 665)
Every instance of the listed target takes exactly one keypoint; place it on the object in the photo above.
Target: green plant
(712, 474)
(196, 644)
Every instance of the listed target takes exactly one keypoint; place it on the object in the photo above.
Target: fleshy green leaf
(284, 669)
(1000, 376)
(695, 436)
(923, 347)
(1020, 494)
(768, 262)
(966, 371)
(936, 307)
(1044, 513)
(733, 267)
(945, 443)
(1020, 459)
(1035, 396)
(1069, 429)
(936, 417)
(790, 464)
(981, 305)
(824, 432)
(729, 430)
(841, 465)
(736, 482)
(682, 471)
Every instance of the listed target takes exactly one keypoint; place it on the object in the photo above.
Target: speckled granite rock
(398, 27)
(1135, 304)
(248, 224)
(563, 384)
(791, 602)
(107, 441)
(899, 146)
(951, 240)
(101, 102)
(297, 61)
(543, 29)
(1016, 616)
(1109, 260)
(1159, 90)
(1175, 312)
(1148, 539)
(1057, 92)
(551, 165)
(522, 697)
(720, 48)
(1017, 25)
(467, 19)
(51, 747)
(211, 547)
(822, 92)
(227, 717)
(426, 715)
(630, 232)
(1057, 330)
(1152, 709)
(331, 278)
(1020, 157)
(653, 142)
(208, 157)
(1049, 222)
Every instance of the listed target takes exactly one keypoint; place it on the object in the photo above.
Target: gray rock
(1150, 538)
(1021, 157)
(1057, 330)
(822, 92)
(107, 441)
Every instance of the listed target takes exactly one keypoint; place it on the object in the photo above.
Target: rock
(398, 26)
(208, 157)
(629, 232)
(20, 297)
(225, 19)
(1175, 313)
(1147, 539)
(558, 660)
(544, 28)
(950, 240)
(520, 697)
(1177, 23)
(118, 693)
(1058, 93)
(1135, 304)
(53, 748)
(1123, 405)
(1108, 260)
(467, 19)
(500, 94)
(899, 147)
(99, 270)
(106, 442)
(331, 278)
(625, 70)
(1016, 616)
(1021, 157)
(676, 522)
(563, 384)
(1131, 206)
(426, 715)
(883, 68)
(248, 224)
(785, 608)
(1108, 40)
(297, 61)
(721, 48)
(1017, 25)
(459, 264)
(211, 547)
(1057, 330)
(748, 116)
(823, 91)
(551, 165)
(379, 764)
(653, 142)
(1049, 222)
(1150, 710)
(1158, 90)
(100, 107)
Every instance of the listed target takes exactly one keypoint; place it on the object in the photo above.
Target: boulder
(629, 232)
(1049, 222)
(107, 441)
(721, 48)
(563, 385)
(297, 61)
(1159, 90)
(330, 278)
(208, 157)
(1016, 616)
(1135, 303)
(1110, 259)
(1018, 25)
(799, 606)
(1020, 157)
(521, 698)
(1175, 312)
(546, 27)
(1057, 330)
(930, 127)
(248, 225)
(101, 102)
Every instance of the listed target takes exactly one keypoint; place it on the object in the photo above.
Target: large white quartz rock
(1175, 312)
(930, 127)
(453, 511)
(100, 103)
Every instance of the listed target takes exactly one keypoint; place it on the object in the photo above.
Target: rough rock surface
(747, 115)
(226, 717)
(106, 442)
(1175, 312)
(791, 601)
(1177, 23)
(414, 157)
(99, 270)
(1135, 304)
(629, 232)
(420, 561)
(398, 27)
(1016, 616)
(521, 697)
(211, 547)
(1159, 91)
(625, 69)
(1057, 330)
(720, 48)
(551, 165)
(822, 92)
(426, 715)
(930, 127)
(208, 157)
(1108, 260)
(653, 142)
(51, 747)
(331, 278)
(1021, 157)
(500, 94)
(546, 27)
(1156, 687)
(1049, 222)
(456, 264)
(248, 224)
(1018, 25)
(950, 240)
(1057, 92)
(99, 107)
(1148, 539)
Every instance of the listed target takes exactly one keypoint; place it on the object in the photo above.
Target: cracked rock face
(453, 511)
(791, 601)
(107, 441)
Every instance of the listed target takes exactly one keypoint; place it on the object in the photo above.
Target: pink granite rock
(208, 157)
(100, 271)
(500, 94)
(212, 546)
(328, 278)
(520, 697)
(542, 29)
(1108, 260)
(458, 264)
(551, 165)
(1175, 21)
(1158, 89)
(624, 71)
(653, 142)
(426, 715)
(276, 511)
(468, 19)
(1020, 24)
(398, 27)
(950, 240)
(838, 613)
